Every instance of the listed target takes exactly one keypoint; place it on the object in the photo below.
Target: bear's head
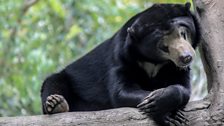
(165, 32)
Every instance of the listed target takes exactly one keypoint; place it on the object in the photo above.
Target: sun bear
(146, 64)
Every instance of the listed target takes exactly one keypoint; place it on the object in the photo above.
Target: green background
(38, 40)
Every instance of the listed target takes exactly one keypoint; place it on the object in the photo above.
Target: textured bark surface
(113, 117)
(211, 17)
(207, 112)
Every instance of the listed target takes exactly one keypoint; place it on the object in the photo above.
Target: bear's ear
(188, 6)
(131, 31)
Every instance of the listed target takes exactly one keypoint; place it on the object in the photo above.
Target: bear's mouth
(182, 60)
(181, 65)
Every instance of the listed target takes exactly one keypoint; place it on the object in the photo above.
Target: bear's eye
(164, 48)
(184, 35)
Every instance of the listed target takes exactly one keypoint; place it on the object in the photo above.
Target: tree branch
(27, 4)
(113, 117)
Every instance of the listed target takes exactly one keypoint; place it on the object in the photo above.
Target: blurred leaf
(74, 30)
(56, 5)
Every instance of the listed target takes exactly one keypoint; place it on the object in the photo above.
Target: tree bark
(210, 111)
(206, 112)
(113, 117)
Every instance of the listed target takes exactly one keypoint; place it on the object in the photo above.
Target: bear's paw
(56, 104)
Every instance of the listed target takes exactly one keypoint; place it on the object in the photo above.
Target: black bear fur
(110, 76)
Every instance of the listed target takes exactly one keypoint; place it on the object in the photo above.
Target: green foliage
(38, 40)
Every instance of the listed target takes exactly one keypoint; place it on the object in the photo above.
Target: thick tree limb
(113, 117)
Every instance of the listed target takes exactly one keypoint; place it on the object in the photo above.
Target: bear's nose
(186, 59)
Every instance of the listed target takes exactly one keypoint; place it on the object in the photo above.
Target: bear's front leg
(163, 105)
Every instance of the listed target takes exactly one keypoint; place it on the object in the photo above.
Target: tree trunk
(210, 111)
(207, 112)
